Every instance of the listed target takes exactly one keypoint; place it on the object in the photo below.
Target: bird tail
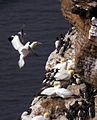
(21, 62)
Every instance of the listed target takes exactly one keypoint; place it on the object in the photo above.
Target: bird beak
(39, 43)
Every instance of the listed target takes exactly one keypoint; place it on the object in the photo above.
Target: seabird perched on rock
(71, 64)
(62, 64)
(61, 92)
(61, 39)
(46, 116)
(94, 21)
(81, 114)
(57, 44)
(91, 110)
(23, 50)
(77, 79)
(66, 44)
(64, 74)
(25, 116)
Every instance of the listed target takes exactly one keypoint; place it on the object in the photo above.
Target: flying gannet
(46, 116)
(62, 92)
(23, 50)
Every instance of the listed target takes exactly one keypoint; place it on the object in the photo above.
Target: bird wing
(63, 92)
(16, 43)
(48, 91)
(57, 44)
(25, 50)
(62, 74)
(60, 65)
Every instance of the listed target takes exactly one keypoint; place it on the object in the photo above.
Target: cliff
(80, 45)
(79, 13)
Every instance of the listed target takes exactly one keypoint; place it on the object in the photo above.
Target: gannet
(57, 44)
(66, 45)
(62, 64)
(23, 50)
(25, 116)
(71, 64)
(64, 74)
(65, 64)
(46, 116)
(62, 92)
(94, 21)
(77, 78)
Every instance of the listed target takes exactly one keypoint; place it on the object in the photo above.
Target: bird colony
(61, 82)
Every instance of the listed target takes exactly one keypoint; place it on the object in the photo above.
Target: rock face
(80, 44)
(79, 13)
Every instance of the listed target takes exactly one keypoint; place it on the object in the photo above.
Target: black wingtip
(10, 38)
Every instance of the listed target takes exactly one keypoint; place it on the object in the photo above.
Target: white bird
(62, 92)
(23, 50)
(65, 64)
(62, 64)
(77, 78)
(94, 21)
(71, 64)
(25, 116)
(46, 116)
(57, 45)
(64, 74)
(92, 32)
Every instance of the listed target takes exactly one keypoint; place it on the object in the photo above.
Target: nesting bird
(65, 69)
(62, 64)
(93, 29)
(57, 44)
(26, 116)
(77, 79)
(64, 74)
(94, 21)
(65, 46)
(23, 50)
(71, 64)
(46, 116)
(61, 92)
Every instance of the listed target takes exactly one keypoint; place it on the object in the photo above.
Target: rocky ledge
(69, 88)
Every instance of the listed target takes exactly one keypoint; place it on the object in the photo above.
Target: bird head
(71, 71)
(46, 115)
(69, 68)
(73, 60)
(93, 18)
(35, 43)
(62, 60)
(57, 84)
(11, 38)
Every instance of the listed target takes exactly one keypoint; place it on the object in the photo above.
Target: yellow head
(71, 71)
(46, 115)
(62, 60)
(73, 60)
(69, 68)
(57, 84)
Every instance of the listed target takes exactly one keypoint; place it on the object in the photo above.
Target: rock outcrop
(80, 44)
(79, 13)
